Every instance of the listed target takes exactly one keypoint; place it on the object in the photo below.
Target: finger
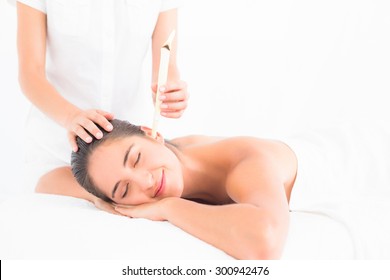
(80, 132)
(174, 96)
(173, 115)
(101, 120)
(173, 86)
(168, 107)
(107, 115)
(72, 141)
(88, 125)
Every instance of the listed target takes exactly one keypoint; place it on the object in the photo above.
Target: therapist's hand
(85, 120)
(174, 97)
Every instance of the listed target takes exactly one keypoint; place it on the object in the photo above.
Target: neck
(197, 178)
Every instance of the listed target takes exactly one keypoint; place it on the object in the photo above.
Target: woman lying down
(232, 193)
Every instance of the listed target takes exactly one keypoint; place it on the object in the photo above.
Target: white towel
(344, 173)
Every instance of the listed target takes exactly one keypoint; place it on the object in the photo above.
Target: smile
(161, 186)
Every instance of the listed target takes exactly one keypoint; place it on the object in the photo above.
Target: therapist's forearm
(166, 23)
(44, 96)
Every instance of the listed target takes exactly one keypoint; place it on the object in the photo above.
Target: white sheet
(56, 227)
(344, 173)
(42, 226)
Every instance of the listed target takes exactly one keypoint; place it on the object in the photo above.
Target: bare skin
(32, 36)
(245, 184)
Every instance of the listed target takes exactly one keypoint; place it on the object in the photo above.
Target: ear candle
(162, 79)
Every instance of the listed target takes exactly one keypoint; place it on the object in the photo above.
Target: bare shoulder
(194, 140)
(254, 147)
(263, 168)
(234, 147)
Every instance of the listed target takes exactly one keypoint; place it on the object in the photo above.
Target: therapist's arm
(166, 23)
(176, 95)
(31, 42)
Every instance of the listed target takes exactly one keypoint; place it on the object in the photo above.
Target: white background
(254, 67)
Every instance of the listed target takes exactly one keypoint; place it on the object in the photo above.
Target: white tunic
(95, 55)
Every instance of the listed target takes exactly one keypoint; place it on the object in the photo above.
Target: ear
(148, 132)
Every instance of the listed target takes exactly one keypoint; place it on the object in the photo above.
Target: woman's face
(136, 170)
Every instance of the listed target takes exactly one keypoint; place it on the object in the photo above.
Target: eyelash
(127, 188)
(127, 185)
(138, 158)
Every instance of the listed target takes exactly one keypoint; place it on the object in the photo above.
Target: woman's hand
(105, 206)
(152, 211)
(174, 98)
(82, 122)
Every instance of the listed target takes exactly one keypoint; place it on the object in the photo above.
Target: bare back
(224, 164)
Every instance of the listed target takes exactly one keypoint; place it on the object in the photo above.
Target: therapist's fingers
(175, 96)
(87, 127)
(174, 93)
(107, 115)
(174, 87)
(173, 104)
(177, 87)
(72, 141)
(81, 131)
(84, 125)
(173, 115)
(173, 109)
(101, 118)
(170, 86)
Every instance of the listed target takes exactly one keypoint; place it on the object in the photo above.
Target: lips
(161, 186)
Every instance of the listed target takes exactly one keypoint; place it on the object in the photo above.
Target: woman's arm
(175, 94)
(62, 182)
(32, 78)
(242, 230)
(253, 228)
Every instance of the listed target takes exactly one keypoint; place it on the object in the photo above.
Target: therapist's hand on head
(174, 98)
(85, 120)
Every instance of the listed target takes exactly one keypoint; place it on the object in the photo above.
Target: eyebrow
(124, 164)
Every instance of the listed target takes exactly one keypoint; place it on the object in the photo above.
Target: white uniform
(95, 56)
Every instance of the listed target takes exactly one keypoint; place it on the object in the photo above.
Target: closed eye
(127, 188)
(138, 158)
